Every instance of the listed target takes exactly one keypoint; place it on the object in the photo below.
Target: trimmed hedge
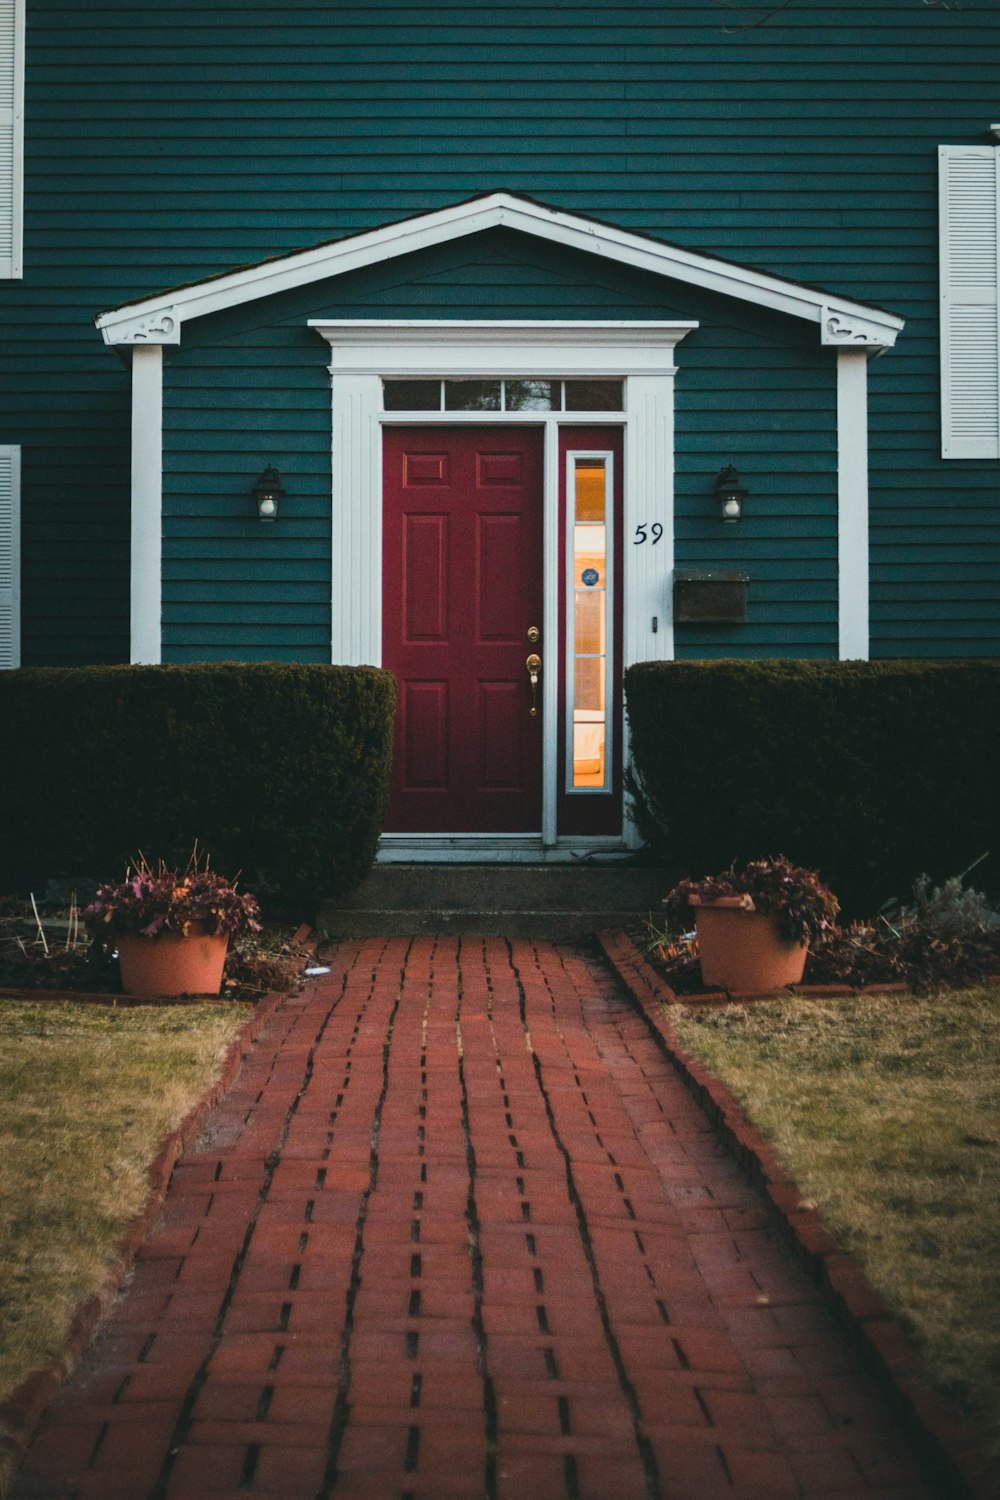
(281, 772)
(869, 772)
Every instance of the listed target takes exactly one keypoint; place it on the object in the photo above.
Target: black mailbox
(710, 598)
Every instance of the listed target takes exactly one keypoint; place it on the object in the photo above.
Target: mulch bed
(79, 972)
(679, 973)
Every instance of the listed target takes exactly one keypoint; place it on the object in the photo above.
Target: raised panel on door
(425, 577)
(499, 558)
(424, 714)
(462, 584)
(500, 730)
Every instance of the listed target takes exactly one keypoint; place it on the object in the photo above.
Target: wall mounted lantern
(268, 492)
(730, 494)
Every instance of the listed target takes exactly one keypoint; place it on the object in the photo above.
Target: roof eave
(159, 319)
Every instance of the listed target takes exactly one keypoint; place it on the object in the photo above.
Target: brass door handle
(534, 666)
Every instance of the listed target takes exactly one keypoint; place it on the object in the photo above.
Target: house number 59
(655, 532)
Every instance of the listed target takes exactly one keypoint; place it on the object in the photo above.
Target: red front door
(462, 585)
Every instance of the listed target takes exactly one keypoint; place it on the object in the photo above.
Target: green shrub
(280, 772)
(869, 772)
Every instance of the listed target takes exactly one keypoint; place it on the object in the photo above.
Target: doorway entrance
(592, 404)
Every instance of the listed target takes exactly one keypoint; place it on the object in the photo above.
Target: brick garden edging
(948, 1440)
(21, 1412)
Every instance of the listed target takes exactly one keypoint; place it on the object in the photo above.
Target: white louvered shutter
(11, 110)
(10, 557)
(970, 328)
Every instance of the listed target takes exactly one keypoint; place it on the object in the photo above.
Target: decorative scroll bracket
(844, 329)
(163, 327)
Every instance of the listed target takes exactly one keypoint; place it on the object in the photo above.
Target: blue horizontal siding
(165, 144)
(203, 650)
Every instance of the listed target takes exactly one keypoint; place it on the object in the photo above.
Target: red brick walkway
(458, 1231)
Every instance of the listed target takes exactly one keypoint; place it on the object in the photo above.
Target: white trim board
(159, 319)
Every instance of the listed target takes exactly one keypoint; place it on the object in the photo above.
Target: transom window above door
(520, 393)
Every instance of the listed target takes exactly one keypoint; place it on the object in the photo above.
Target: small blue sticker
(590, 576)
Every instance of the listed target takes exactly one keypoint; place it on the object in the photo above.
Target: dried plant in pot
(755, 923)
(171, 927)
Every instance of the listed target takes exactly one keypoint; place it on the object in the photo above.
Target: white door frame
(362, 352)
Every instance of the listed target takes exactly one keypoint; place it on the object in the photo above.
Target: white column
(147, 502)
(356, 613)
(852, 502)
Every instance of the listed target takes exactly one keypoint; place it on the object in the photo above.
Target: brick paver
(459, 1231)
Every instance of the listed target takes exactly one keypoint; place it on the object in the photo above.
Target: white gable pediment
(159, 319)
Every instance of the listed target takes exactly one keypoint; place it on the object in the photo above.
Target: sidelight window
(589, 603)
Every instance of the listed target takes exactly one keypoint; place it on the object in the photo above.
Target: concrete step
(553, 901)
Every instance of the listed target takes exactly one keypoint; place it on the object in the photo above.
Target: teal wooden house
(504, 346)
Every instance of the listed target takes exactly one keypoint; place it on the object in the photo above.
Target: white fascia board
(158, 319)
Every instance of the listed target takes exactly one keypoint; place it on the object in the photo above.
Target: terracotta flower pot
(744, 951)
(172, 964)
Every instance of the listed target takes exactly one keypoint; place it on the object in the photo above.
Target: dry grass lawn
(87, 1095)
(887, 1111)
